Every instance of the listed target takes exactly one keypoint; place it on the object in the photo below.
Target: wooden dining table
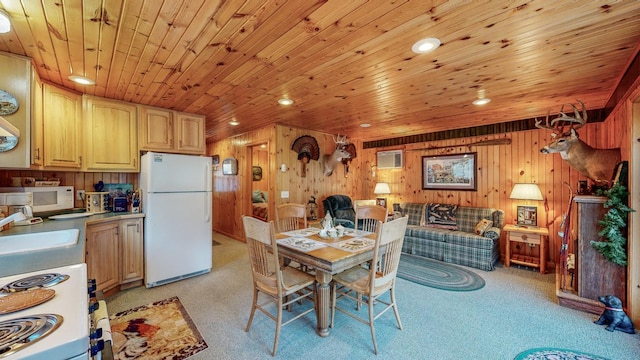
(326, 261)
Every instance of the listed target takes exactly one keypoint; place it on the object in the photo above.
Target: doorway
(259, 179)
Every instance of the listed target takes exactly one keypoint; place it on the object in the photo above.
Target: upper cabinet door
(111, 135)
(156, 129)
(61, 127)
(190, 133)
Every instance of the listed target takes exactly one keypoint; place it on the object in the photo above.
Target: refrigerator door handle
(207, 206)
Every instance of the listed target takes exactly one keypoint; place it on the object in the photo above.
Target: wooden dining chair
(375, 281)
(367, 217)
(282, 286)
(291, 217)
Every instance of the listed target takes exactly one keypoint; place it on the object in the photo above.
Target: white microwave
(47, 198)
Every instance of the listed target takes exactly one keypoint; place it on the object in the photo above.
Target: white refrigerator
(176, 202)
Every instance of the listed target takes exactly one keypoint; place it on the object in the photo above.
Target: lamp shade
(382, 188)
(526, 192)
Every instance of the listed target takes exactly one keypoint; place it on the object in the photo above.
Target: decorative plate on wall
(8, 103)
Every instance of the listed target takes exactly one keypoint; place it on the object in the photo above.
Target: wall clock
(8, 103)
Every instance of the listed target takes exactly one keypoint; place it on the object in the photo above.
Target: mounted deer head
(595, 164)
(329, 161)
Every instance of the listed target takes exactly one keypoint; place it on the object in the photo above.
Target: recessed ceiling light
(81, 80)
(425, 45)
(5, 24)
(365, 125)
(285, 102)
(481, 100)
(234, 122)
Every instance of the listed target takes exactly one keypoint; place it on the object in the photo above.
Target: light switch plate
(284, 194)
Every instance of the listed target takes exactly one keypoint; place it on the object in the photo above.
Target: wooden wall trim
(593, 116)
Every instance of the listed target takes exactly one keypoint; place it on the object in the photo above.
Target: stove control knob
(96, 334)
(97, 347)
(93, 306)
(91, 286)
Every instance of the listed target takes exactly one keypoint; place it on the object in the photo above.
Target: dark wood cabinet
(594, 275)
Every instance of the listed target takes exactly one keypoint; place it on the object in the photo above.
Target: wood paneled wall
(79, 180)
(498, 168)
(232, 197)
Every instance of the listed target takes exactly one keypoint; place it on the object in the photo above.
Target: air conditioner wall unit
(391, 159)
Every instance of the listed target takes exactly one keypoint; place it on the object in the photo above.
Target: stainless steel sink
(13, 244)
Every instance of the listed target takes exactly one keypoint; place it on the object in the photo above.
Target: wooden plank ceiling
(344, 63)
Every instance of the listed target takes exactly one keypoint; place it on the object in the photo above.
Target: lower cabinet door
(102, 254)
(131, 248)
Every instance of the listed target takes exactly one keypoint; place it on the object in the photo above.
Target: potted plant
(613, 225)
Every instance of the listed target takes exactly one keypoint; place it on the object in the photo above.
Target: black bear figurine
(614, 316)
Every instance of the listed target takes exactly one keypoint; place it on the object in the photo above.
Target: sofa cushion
(470, 240)
(467, 217)
(434, 234)
(441, 216)
(415, 212)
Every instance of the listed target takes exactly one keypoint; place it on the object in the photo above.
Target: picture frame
(527, 216)
(381, 202)
(230, 166)
(256, 173)
(450, 172)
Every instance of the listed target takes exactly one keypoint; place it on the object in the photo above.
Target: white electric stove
(64, 318)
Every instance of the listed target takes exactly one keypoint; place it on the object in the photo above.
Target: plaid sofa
(462, 246)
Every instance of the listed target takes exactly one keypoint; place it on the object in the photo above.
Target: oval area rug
(438, 274)
(556, 354)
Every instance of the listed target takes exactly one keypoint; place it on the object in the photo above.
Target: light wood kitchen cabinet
(37, 127)
(111, 135)
(170, 131)
(102, 254)
(131, 250)
(189, 133)
(156, 129)
(115, 253)
(57, 125)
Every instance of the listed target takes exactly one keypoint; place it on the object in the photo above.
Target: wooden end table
(528, 235)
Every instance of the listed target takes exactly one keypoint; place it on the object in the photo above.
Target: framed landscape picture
(449, 172)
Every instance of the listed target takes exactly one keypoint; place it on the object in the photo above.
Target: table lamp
(380, 189)
(527, 215)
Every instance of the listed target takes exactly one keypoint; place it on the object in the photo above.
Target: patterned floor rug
(438, 274)
(162, 330)
(556, 354)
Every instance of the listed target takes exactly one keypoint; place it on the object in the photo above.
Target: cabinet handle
(138, 228)
(524, 237)
(38, 153)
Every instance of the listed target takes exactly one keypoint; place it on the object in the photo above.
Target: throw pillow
(482, 226)
(265, 196)
(442, 216)
(256, 196)
(492, 233)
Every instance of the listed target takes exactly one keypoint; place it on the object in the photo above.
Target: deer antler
(557, 125)
(341, 140)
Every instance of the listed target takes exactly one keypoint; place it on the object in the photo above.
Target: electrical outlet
(80, 195)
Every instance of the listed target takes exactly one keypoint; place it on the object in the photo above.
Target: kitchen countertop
(46, 259)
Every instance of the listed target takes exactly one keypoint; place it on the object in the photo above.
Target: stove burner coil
(39, 280)
(18, 333)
